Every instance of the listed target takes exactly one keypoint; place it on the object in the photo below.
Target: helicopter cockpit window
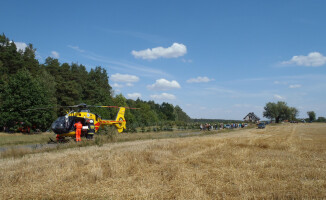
(58, 125)
(63, 124)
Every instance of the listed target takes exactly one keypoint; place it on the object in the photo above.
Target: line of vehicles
(261, 125)
(241, 125)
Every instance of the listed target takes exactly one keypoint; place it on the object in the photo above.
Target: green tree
(48, 86)
(321, 119)
(67, 90)
(279, 111)
(9, 56)
(21, 93)
(146, 115)
(181, 115)
(29, 61)
(293, 113)
(52, 66)
(311, 115)
(167, 111)
(97, 89)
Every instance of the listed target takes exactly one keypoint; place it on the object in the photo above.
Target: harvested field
(279, 162)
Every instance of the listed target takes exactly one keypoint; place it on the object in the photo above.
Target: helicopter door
(85, 127)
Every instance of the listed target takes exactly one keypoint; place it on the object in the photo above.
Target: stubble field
(280, 162)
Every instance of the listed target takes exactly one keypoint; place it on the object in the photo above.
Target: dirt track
(280, 162)
(53, 145)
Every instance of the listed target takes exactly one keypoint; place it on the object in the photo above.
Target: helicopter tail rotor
(121, 120)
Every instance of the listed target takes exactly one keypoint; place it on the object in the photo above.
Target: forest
(25, 83)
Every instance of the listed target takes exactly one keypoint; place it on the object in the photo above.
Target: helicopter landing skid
(58, 140)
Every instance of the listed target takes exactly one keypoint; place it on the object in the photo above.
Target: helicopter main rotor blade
(114, 107)
(105, 106)
(82, 105)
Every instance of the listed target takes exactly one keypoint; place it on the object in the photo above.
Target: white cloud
(124, 78)
(127, 67)
(313, 59)
(186, 61)
(76, 48)
(295, 86)
(55, 54)
(278, 97)
(248, 106)
(163, 84)
(134, 95)
(116, 85)
(242, 105)
(20, 45)
(199, 79)
(174, 51)
(163, 96)
(221, 90)
(117, 91)
(280, 82)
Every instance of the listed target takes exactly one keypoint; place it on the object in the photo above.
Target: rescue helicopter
(64, 125)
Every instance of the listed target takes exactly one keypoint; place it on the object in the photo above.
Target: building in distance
(251, 117)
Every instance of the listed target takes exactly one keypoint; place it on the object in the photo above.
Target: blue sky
(215, 59)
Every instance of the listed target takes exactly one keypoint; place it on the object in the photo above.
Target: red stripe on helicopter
(97, 125)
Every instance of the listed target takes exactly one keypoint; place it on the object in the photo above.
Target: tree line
(280, 111)
(312, 117)
(26, 84)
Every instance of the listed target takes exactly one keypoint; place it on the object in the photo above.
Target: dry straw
(279, 162)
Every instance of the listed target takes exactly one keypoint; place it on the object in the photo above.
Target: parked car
(261, 125)
(228, 126)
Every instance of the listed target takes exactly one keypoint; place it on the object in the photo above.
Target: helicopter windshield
(63, 124)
